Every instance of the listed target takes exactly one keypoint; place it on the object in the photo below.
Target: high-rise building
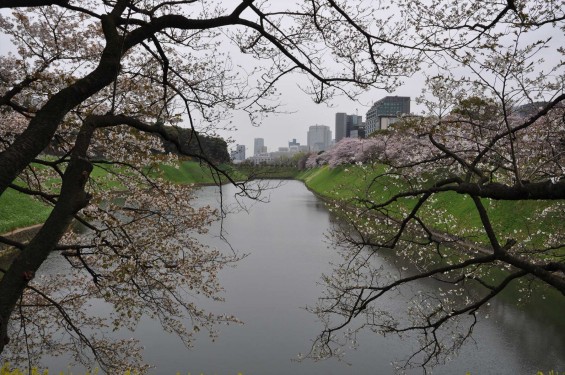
(241, 152)
(319, 137)
(258, 145)
(386, 112)
(293, 143)
(345, 123)
(238, 155)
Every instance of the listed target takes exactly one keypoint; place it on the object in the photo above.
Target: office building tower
(293, 143)
(386, 112)
(258, 145)
(345, 124)
(238, 155)
(319, 138)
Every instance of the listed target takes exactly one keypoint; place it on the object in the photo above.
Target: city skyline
(277, 130)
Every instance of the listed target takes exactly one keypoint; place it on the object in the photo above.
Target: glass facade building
(345, 124)
(385, 112)
(258, 145)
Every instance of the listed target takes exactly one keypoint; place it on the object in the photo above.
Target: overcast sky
(301, 111)
(278, 130)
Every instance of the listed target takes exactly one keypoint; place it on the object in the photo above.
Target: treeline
(193, 144)
(196, 144)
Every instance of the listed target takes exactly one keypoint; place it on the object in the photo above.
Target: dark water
(269, 289)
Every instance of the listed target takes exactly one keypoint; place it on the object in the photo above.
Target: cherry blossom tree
(98, 83)
(490, 140)
(405, 210)
(96, 86)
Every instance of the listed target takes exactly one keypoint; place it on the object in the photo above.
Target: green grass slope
(19, 210)
(448, 211)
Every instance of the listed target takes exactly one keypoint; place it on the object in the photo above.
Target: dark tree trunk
(25, 265)
(43, 126)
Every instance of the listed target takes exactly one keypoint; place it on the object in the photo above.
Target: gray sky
(278, 129)
(301, 111)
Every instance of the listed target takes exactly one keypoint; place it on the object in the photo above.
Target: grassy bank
(342, 183)
(518, 220)
(19, 210)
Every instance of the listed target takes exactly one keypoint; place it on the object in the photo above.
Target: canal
(268, 290)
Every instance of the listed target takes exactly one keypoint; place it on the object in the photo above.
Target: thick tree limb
(71, 199)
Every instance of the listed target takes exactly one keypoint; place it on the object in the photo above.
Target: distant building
(241, 151)
(345, 124)
(258, 145)
(262, 158)
(238, 155)
(386, 112)
(293, 143)
(319, 137)
(529, 109)
(283, 155)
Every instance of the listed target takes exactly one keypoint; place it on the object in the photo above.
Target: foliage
(268, 171)
(348, 151)
(189, 172)
(5, 370)
(213, 148)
